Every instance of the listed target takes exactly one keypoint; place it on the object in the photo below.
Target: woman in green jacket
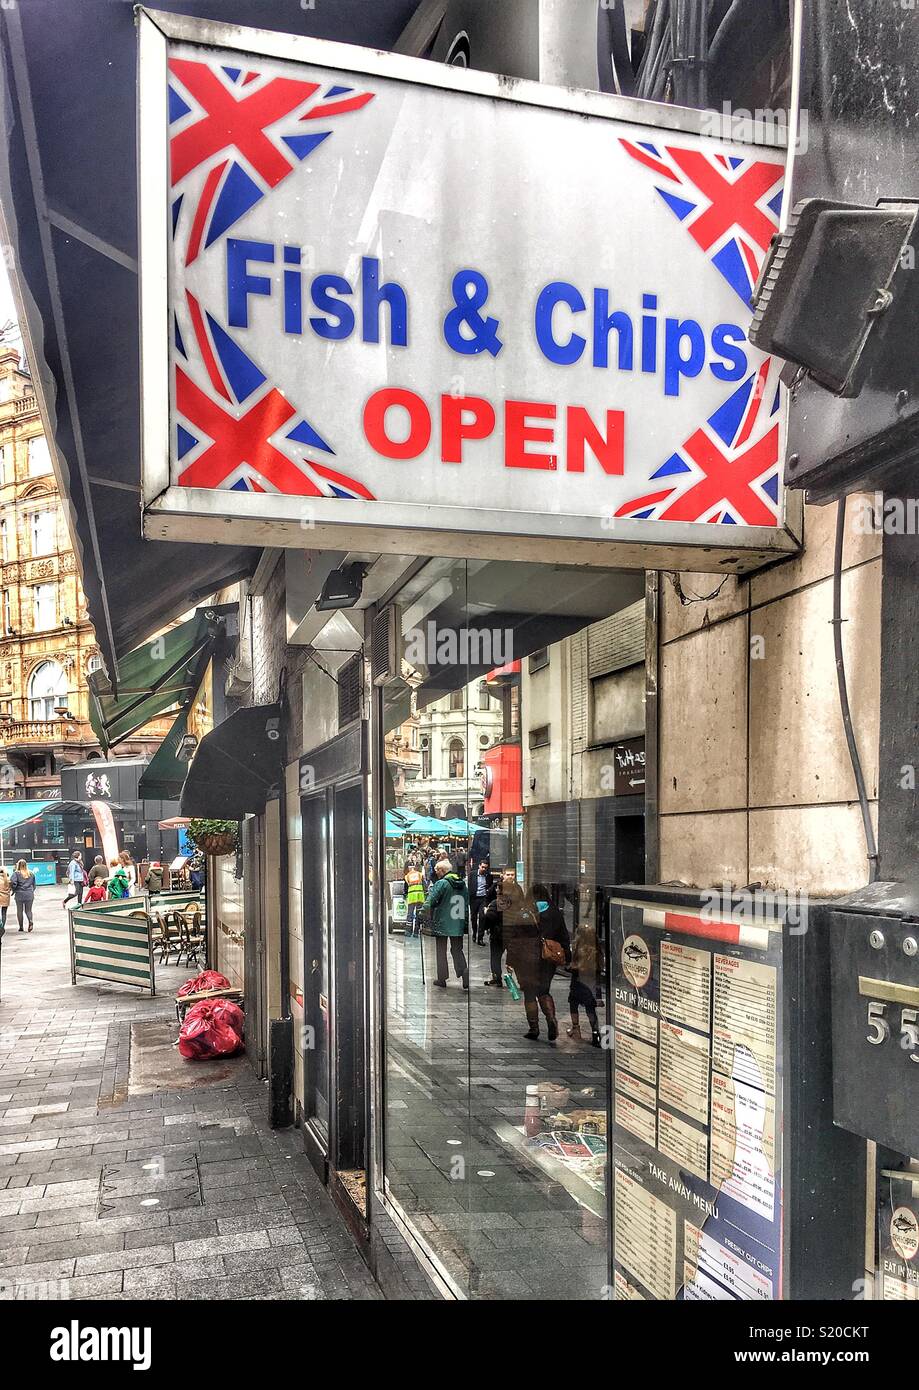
(447, 909)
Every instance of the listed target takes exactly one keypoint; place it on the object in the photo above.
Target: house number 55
(879, 1028)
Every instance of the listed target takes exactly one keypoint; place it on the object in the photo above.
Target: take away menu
(697, 1072)
(898, 1237)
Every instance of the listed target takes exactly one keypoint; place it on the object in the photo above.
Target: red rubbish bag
(208, 979)
(212, 1028)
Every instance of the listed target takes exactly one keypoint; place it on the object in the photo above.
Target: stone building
(446, 740)
(47, 643)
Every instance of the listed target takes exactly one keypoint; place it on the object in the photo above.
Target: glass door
(316, 1052)
(349, 952)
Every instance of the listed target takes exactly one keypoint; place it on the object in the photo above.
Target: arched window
(457, 757)
(47, 689)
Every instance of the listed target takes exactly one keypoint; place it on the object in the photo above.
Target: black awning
(237, 765)
(68, 182)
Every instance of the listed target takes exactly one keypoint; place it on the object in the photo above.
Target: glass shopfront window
(497, 1076)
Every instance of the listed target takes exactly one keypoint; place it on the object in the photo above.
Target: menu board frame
(697, 1185)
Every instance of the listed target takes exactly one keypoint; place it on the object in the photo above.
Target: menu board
(697, 1111)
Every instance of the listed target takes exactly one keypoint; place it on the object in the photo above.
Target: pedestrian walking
(414, 897)
(537, 942)
(22, 885)
(76, 877)
(447, 909)
(478, 884)
(492, 920)
(153, 879)
(130, 869)
(5, 893)
(582, 993)
(98, 872)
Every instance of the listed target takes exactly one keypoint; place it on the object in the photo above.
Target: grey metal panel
(875, 1084)
(860, 91)
(335, 761)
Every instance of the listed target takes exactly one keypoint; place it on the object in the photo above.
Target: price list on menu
(696, 1112)
(744, 1021)
(645, 1234)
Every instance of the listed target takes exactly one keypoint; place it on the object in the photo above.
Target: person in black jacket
(490, 920)
(479, 884)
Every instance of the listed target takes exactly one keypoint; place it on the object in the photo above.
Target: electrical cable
(841, 680)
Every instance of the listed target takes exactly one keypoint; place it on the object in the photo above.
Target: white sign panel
(497, 316)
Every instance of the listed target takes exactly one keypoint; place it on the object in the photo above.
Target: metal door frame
(254, 960)
(338, 765)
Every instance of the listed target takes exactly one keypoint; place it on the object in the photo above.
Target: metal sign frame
(181, 513)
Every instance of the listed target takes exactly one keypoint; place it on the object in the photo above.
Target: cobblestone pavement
(109, 1194)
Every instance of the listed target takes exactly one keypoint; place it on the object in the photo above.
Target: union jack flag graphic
(728, 471)
(248, 132)
(251, 439)
(729, 205)
(235, 135)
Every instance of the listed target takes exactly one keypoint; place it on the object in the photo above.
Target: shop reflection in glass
(495, 1098)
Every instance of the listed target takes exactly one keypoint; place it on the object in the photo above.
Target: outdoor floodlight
(342, 588)
(827, 281)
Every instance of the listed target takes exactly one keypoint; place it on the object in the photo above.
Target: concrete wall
(618, 705)
(755, 782)
(580, 713)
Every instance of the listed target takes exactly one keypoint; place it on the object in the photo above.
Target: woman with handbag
(537, 943)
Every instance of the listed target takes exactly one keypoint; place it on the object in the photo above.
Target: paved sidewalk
(109, 1194)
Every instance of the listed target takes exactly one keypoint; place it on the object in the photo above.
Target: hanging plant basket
(214, 837)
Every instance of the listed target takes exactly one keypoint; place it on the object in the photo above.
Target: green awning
(162, 778)
(154, 677)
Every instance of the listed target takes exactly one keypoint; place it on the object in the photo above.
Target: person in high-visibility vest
(414, 896)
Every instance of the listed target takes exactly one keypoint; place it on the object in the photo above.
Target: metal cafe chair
(197, 937)
(171, 937)
(191, 939)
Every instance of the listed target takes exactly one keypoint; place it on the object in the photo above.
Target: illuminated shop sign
(382, 296)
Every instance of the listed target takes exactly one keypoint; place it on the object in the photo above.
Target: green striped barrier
(108, 943)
